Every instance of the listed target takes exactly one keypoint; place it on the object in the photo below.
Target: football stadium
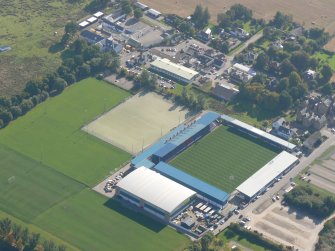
(200, 163)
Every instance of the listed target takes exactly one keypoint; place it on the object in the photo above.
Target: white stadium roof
(156, 189)
(84, 24)
(98, 14)
(266, 174)
(180, 70)
(92, 19)
(259, 132)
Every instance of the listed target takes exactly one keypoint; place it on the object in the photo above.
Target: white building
(154, 193)
(174, 71)
(263, 178)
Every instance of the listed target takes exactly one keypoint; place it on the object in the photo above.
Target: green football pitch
(47, 164)
(91, 222)
(28, 187)
(225, 158)
(51, 132)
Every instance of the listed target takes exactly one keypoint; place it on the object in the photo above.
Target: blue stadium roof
(165, 149)
(176, 137)
(191, 182)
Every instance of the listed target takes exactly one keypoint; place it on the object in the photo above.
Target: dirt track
(320, 12)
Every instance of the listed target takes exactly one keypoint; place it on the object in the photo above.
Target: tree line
(15, 237)
(305, 199)
(79, 61)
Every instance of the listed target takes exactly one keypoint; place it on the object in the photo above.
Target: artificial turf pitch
(225, 158)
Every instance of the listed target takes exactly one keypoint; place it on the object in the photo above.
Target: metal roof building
(274, 140)
(154, 192)
(174, 138)
(175, 71)
(267, 174)
(215, 195)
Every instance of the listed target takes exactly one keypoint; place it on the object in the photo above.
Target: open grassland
(320, 12)
(28, 188)
(90, 223)
(51, 134)
(28, 27)
(34, 229)
(138, 122)
(225, 158)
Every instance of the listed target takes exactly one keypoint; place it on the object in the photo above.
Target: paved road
(304, 162)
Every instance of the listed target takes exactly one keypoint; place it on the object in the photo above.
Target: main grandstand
(268, 163)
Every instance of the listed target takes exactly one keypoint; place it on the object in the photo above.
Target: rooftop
(155, 188)
(266, 174)
(259, 132)
(176, 69)
(196, 184)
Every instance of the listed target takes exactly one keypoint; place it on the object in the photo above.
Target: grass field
(323, 14)
(326, 59)
(44, 160)
(28, 27)
(22, 177)
(35, 229)
(224, 158)
(51, 133)
(90, 223)
(138, 122)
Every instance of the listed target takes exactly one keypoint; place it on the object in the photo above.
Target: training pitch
(138, 122)
(225, 158)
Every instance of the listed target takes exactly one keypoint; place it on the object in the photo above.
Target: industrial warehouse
(165, 190)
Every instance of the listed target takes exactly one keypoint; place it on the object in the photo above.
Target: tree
(60, 84)
(262, 61)
(194, 246)
(285, 101)
(26, 105)
(280, 20)
(326, 89)
(32, 87)
(6, 117)
(197, 14)
(205, 241)
(205, 17)
(283, 84)
(240, 12)
(33, 241)
(287, 67)
(138, 13)
(5, 227)
(300, 60)
(294, 79)
(16, 111)
(327, 73)
(126, 7)
(71, 28)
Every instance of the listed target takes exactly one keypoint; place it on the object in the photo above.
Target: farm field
(22, 177)
(321, 12)
(138, 122)
(28, 27)
(224, 158)
(51, 134)
(90, 223)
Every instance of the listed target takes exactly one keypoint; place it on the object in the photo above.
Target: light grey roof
(176, 69)
(266, 174)
(154, 12)
(156, 189)
(259, 132)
